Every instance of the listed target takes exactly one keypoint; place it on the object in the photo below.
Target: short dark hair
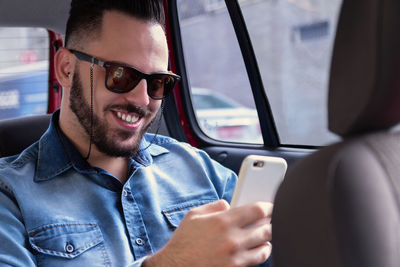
(85, 16)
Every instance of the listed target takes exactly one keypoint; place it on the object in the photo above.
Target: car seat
(17, 134)
(340, 206)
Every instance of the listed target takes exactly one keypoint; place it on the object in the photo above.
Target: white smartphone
(259, 179)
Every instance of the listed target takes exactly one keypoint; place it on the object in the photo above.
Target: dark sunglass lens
(121, 79)
(160, 85)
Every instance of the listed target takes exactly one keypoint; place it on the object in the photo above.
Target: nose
(138, 96)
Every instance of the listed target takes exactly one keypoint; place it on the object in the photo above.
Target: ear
(64, 64)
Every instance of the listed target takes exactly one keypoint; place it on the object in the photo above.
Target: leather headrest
(364, 89)
(18, 133)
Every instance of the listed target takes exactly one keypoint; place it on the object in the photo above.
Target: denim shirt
(57, 210)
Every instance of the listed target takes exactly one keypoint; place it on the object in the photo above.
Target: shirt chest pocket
(72, 244)
(175, 213)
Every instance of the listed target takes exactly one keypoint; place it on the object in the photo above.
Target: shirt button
(125, 193)
(139, 241)
(69, 248)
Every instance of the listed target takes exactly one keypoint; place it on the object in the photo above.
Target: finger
(256, 236)
(253, 256)
(216, 206)
(251, 213)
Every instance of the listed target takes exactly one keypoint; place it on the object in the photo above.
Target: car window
(293, 41)
(211, 101)
(24, 71)
(220, 90)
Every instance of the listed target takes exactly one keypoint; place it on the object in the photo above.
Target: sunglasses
(122, 78)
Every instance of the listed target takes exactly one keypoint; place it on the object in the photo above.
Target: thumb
(212, 207)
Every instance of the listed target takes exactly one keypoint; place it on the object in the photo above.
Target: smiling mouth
(128, 117)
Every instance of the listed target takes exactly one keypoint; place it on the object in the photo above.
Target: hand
(215, 235)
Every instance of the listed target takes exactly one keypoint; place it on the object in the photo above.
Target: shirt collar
(148, 149)
(57, 154)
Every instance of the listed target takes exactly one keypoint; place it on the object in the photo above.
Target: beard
(105, 140)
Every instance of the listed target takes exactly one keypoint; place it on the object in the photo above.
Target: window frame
(54, 88)
(182, 95)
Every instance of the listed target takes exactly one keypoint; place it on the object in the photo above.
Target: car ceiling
(50, 14)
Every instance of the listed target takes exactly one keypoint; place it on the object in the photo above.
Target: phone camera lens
(258, 163)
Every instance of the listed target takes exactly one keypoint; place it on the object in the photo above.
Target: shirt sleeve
(223, 179)
(230, 185)
(14, 238)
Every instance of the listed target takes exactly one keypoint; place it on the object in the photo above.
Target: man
(96, 190)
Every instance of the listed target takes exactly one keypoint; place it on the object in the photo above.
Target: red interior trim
(177, 92)
(54, 86)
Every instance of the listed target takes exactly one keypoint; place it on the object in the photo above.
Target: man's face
(119, 120)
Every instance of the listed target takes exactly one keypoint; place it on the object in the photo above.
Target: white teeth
(134, 119)
(127, 117)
